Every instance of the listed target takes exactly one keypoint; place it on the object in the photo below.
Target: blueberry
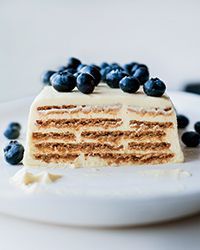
(70, 70)
(191, 139)
(15, 124)
(45, 77)
(137, 66)
(94, 65)
(61, 68)
(85, 83)
(129, 84)
(14, 153)
(67, 69)
(114, 77)
(104, 72)
(63, 81)
(197, 127)
(92, 71)
(182, 121)
(193, 87)
(154, 87)
(81, 66)
(77, 74)
(128, 67)
(142, 74)
(116, 66)
(73, 63)
(104, 65)
(12, 133)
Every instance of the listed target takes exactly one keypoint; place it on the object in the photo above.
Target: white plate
(109, 196)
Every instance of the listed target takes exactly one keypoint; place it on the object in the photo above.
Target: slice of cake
(105, 128)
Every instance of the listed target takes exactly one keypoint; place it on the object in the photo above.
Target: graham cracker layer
(109, 158)
(70, 106)
(151, 112)
(153, 158)
(78, 148)
(115, 136)
(109, 110)
(163, 125)
(78, 123)
(52, 135)
(56, 158)
(149, 146)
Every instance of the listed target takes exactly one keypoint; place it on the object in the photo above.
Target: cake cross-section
(106, 128)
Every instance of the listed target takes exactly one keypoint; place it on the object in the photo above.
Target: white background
(38, 35)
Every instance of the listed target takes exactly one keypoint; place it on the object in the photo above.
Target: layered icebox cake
(105, 128)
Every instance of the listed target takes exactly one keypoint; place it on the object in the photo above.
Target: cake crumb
(26, 179)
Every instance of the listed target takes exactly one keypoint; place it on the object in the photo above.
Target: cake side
(77, 130)
(50, 96)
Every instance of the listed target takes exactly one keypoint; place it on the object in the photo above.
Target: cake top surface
(102, 95)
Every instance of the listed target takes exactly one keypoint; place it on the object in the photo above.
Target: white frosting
(101, 95)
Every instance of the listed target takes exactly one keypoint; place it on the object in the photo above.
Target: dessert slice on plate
(105, 128)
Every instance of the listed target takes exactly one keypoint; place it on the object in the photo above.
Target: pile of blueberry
(14, 151)
(86, 77)
(189, 138)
